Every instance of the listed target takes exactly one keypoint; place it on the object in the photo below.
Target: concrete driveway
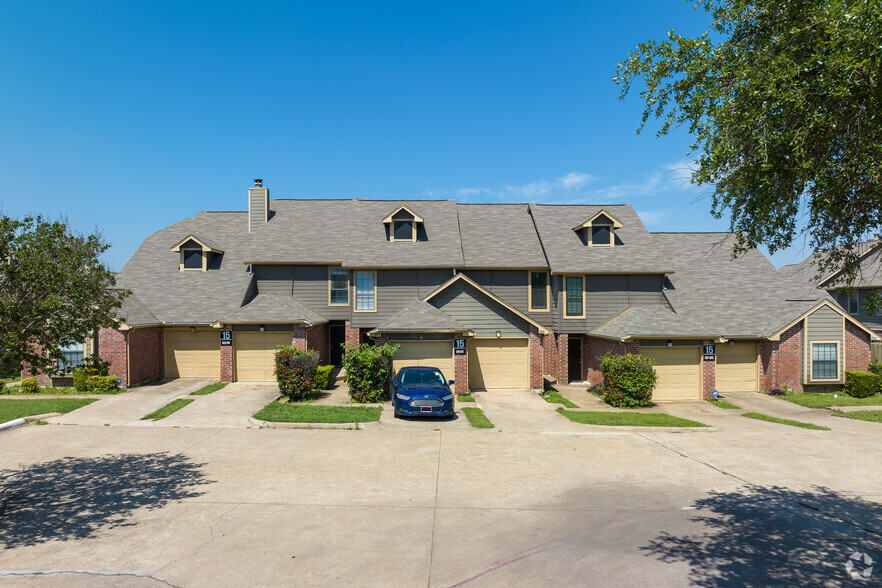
(129, 407)
(231, 406)
(127, 506)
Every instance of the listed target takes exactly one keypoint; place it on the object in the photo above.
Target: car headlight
(448, 397)
(401, 396)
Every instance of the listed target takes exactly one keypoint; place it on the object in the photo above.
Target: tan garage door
(679, 372)
(192, 355)
(499, 363)
(437, 354)
(736, 367)
(255, 355)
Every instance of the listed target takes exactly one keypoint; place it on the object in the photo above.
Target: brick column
(112, 346)
(708, 372)
(352, 334)
(632, 347)
(461, 373)
(857, 348)
(563, 359)
(535, 359)
(317, 339)
(781, 361)
(298, 338)
(226, 359)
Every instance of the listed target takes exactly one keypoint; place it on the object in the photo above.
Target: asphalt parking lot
(752, 503)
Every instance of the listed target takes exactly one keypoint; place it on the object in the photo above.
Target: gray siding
(871, 320)
(257, 205)
(605, 296)
(397, 289)
(825, 324)
(480, 313)
(307, 283)
(513, 286)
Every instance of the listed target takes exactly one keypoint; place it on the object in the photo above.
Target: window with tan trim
(574, 297)
(338, 286)
(539, 292)
(192, 259)
(824, 361)
(365, 291)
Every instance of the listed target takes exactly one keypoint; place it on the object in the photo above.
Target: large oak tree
(54, 292)
(783, 99)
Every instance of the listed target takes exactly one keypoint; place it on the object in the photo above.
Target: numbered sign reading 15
(226, 338)
(459, 346)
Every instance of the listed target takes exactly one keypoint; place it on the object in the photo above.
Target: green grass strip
(764, 417)
(553, 397)
(477, 418)
(282, 412)
(722, 403)
(465, 398)
(18, 408)
(209, 389)
(874, 416)
(627, 419)
(826, 400)
(170, 408)
(61, 391)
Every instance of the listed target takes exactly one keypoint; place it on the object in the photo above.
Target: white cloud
(574, 180)
(652, 217)
(681, 173)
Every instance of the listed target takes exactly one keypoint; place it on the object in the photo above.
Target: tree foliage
(784, 102)
(54, 291)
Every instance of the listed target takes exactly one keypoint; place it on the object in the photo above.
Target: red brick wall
(857, 348)
(781, 361)
(226, 359)
(708, 373)
(535, 359)
(461, 373)
(318, 338)
(42, 379)
(112, 348)
(145, 354)
(554, 349)
(298, 338)
(592, 350)
(352, 334)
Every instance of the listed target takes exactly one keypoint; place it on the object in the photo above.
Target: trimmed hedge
(876, 368)
(368, 371)
(323, 377)
(30, 386)
(861, 384)
(628, 380)
(101, 383)
(3, 389)
(296, 372)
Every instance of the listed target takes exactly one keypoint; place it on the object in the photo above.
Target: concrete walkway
(231, 406)
(523, 410)
(131, 406)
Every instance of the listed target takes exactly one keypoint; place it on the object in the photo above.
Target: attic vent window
(402, 224)
(197, 254)
(599, 230)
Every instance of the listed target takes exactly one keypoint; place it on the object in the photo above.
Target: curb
(39, 417)
(272, 425)
(11, 424)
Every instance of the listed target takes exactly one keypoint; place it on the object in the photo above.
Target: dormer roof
(416, 218)
(204, 243)
(615, 222)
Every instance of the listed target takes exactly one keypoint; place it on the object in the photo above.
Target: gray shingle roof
(499, 236)
(274, 308)
(650, 321)
(566, 252)
(421, 316)
(135, 313)
(869, 270)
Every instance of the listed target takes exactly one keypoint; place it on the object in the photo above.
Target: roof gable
(404, 207)
(602, 216)
(204, 243)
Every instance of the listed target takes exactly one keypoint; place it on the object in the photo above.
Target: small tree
(296, 371)
(628, 380)
(368, 370)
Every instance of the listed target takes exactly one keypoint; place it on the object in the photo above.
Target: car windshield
(422, 378)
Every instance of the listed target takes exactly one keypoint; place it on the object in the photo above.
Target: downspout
(128, 359)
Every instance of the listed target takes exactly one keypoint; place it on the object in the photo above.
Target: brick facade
(857, 348)
(317, 338)
(781, 361)
(112, 347)
(146, 354)
(461, 373)
(592, 350)
(708, 373)
(535, 359)
(298, 338)
(555, 359)
(352, 335)
(226, 359)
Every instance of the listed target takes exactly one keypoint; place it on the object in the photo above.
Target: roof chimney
(258, 205)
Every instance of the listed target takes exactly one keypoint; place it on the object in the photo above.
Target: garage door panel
(437, 354)
(192, 354)
(255, 355)
(679, 372)
(499, 363)
(736, 369)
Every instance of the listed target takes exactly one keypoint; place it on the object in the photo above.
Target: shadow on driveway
(73, 498)
(775, 536)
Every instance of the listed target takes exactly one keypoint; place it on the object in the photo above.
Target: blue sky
(129, 116)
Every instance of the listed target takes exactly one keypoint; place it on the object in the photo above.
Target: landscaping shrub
(3, 389)
(92, 366)
(296, 372)
(596, 389)
(628, 380)
(776, 392)
(30, 386)
(860, 384)
(101, 383)
(368, 371)
(323, 377)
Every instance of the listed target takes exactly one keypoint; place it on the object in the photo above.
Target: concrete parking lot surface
(747, 502)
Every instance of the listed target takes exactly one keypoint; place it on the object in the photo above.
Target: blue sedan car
(422, 391)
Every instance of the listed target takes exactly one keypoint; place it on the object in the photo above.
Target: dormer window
(599, 230)
(197, 254)
(402, 224)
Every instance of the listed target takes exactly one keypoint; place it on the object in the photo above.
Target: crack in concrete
(683, 453)
(24, 573)
(434, 512)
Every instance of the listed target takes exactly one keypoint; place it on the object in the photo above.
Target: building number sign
(226, 338)
(459, 346)
(709, 352)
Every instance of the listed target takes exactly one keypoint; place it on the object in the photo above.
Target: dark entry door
(338, 337)
(575, 358)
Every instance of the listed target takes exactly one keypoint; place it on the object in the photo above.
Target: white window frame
(355, 291)
(811, 362)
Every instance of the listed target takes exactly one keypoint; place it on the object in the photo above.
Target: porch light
(192, 329)
(670, 343)
(498, 334)
(262, 328)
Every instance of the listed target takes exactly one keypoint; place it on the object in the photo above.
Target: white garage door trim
(679, 372)
(254, 354)
(431, 353)
(192, 354)
(499, 363)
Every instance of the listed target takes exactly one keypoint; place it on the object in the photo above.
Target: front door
(337, 337)
(575, 359)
